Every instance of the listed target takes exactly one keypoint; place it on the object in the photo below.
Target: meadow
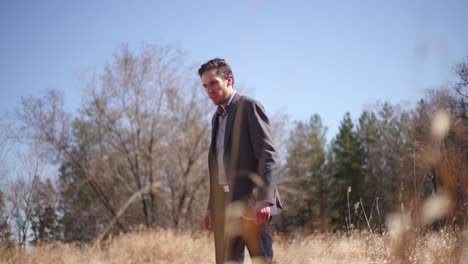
(166, 246)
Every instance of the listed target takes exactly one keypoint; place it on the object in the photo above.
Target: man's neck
(228, 99)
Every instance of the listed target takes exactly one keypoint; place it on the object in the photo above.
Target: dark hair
(223, 68)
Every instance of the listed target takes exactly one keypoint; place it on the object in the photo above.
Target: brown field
(162, 246)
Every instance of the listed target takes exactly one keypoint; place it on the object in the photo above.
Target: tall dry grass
(163, 246)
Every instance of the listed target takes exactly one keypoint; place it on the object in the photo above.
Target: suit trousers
(235, 229)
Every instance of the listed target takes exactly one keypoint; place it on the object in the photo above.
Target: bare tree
(7, 139)
(185, 170)
(461, 84)
(142, 134)
(280, 126)
(45, 121)
(151, 116)
(5, 231)
(21, 191)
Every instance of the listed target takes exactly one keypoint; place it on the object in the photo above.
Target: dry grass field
(162, 246)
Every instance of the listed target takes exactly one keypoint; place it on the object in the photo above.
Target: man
(243, 167)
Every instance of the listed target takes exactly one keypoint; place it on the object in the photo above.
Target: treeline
(392, 159)
(135, 153)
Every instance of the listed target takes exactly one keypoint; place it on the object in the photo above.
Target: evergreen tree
(349, 177)
(369, 135)
(45, 220)
(369, 132)
(392, 126)
(320, 181)
(80, 213)
(306, 184)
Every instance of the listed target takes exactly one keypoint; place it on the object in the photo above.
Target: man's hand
(207, 221)
(262, 212)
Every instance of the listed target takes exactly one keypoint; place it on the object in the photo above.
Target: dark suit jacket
(250, 162)
(250, 157)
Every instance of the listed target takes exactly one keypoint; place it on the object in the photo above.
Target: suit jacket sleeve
(264, 150)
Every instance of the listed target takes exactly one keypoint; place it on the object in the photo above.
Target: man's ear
(229, 79)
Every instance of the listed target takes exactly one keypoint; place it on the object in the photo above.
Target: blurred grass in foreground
(163, 246)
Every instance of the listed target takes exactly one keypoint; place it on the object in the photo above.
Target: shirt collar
(223, 111)
(231, 98)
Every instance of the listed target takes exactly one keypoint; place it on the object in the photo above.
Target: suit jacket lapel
(214, 132)
(230, 119)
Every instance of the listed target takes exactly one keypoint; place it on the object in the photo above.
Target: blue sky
(297, 57)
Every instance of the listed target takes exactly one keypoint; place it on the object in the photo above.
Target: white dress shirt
(222, 178)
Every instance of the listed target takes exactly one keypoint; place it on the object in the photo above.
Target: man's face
(217, 88)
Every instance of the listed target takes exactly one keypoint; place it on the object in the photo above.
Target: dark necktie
(222, 111)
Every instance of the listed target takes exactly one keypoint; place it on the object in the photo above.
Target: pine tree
(349, 177)
(369, 135)
(45, 220)
(80, 215)
(306, 184)
(392, 126)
